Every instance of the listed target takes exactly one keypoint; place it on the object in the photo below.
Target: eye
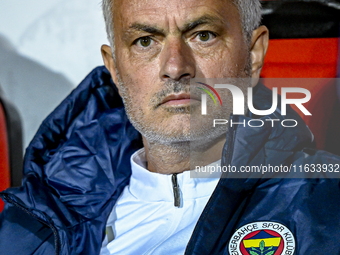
(144, 41)
(205, 36)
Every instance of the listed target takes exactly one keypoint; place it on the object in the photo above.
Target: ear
(109, 63)
(258, 49)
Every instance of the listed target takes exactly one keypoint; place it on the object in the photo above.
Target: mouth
(179, 100)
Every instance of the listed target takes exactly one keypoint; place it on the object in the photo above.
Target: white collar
(153, 187)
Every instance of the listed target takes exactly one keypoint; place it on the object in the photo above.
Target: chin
(183, 134)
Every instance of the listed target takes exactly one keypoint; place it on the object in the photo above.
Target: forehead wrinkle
(189, 25)
(152, 13)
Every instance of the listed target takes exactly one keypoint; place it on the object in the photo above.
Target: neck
(180, 157)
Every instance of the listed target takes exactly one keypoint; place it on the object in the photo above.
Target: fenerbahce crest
(262, 238)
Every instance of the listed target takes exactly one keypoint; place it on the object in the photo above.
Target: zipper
(175, 187)
(54, 230)
(228, 152)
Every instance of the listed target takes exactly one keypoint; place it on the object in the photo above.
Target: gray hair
(107, 6)
(250, 12)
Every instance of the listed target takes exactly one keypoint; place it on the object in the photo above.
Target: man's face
(160, 45)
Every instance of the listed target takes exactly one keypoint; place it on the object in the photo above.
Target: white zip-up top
(145, 219)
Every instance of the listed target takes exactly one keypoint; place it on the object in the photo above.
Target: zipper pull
(177, 195)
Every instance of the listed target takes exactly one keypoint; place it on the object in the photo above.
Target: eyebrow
(146, 28)
(205, 19)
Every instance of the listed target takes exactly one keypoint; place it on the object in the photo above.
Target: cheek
(229, 60)
(222, 64)
(139, 74)
(134, 87)
(138, 89)
(219, 67)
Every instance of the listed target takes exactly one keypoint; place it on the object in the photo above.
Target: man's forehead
(157, 3)
(127, 11)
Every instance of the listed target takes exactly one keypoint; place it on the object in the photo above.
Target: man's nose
(177, 61)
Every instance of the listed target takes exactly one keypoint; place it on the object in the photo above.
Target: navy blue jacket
(78, 163)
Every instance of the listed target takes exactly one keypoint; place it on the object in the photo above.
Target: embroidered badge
(262, 238)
